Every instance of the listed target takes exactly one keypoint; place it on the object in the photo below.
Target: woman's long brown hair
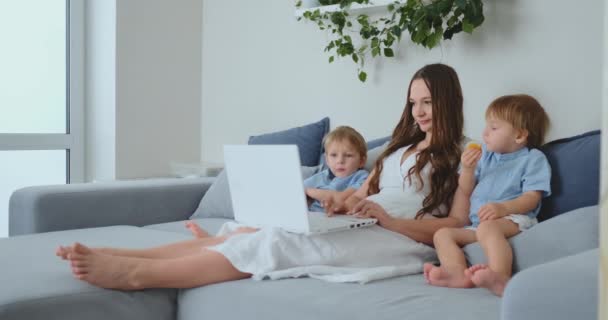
(444, 149)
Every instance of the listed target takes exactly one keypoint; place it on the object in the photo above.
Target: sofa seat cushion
(397, 298)
(211, 225)
(564, 235)
(36, 284)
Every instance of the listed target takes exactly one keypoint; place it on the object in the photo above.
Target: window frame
(73, 140)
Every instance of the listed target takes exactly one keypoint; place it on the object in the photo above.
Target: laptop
(267, 191)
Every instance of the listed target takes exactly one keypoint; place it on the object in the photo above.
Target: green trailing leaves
(427, 23)
(362, 76)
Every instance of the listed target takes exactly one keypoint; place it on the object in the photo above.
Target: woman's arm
(422, 230)
(358, 195)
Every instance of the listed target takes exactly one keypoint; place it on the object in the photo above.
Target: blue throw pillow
(575, 172)
(308, 138)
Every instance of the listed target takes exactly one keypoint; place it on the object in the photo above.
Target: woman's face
(422, 105)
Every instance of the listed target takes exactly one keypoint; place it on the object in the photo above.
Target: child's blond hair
(523, 112)
(346, 133)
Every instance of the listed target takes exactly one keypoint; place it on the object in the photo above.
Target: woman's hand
(370, 209)
(492, 211)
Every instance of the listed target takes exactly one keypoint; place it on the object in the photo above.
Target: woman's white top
(400, 196)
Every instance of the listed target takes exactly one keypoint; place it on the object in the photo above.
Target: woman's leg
(493, 237)
(173, 250)
(130, 273)
(448, 243)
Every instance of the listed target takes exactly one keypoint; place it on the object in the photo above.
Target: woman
(409, 191)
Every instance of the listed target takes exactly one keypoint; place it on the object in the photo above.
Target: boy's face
(501, 137)
(342, 158)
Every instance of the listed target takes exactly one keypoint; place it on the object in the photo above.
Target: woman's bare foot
(426, 269)
(482, 276)
(63, 252)
(196, 230)
(442, 277)
(103, 270)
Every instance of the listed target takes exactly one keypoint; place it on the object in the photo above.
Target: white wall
(143, 94)
(265, 71)
(158, 85)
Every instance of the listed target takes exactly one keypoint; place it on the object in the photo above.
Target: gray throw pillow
(564, 235)
(216, 203)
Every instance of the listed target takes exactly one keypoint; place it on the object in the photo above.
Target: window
(41, 95)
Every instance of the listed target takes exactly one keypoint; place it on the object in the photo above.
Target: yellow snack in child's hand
(474, 145)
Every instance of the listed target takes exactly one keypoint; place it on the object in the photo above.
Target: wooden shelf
(355, 7)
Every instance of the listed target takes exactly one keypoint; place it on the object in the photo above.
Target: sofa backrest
(575, 172)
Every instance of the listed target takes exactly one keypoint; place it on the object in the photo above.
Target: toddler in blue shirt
(345, 155)
(501, 186)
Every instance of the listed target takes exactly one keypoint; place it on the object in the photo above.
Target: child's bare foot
(102, 270)
(472, 269)
(482, 276)
(442, 277)
(196, 230)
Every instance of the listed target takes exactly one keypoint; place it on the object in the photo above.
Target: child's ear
(522, 136)
(363, 160)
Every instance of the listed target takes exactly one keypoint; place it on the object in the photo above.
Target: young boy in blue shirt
(345, 155)
(501, 185)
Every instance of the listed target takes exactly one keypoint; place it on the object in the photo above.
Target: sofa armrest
(85, 205)
(566, 288)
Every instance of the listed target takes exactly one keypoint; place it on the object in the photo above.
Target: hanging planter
(427, 22)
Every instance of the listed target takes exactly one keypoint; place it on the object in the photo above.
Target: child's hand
(470, 157)
(334, 204)
(492, 211)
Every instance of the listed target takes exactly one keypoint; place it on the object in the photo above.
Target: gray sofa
(556, 261)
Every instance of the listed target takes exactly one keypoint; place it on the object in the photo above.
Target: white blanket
(360, 255)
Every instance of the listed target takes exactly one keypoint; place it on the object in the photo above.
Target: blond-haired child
(345, 155)
(501, 185)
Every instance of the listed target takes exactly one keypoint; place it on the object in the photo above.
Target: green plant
(427, 21)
